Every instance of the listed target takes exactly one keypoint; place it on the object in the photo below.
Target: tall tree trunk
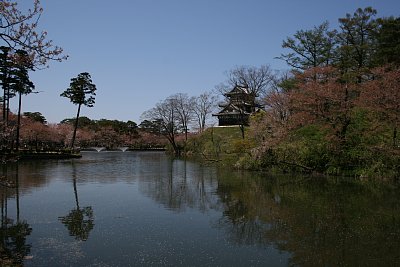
(175, 147)
(7, 105)
(17, 191)
(4, 104)
(76, 126)
(241, 127)
(203, 123)
(19, 121)
(3, 126)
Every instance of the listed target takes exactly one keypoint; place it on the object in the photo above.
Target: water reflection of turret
(13, 231)
(79, 221)
(180, 184)
(244, 201)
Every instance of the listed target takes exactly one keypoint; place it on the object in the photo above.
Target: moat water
(146, 209)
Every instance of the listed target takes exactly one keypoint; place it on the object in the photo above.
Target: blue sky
(141, 51)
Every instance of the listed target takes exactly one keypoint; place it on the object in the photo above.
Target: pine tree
(81, 91)
(21, 84)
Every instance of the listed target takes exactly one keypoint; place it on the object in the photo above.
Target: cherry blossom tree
(19, 30)
(382, 95)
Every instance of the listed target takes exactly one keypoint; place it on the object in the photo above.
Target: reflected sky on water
(146, 209)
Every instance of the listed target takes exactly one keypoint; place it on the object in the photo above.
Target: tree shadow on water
(79, 221)
(13, 233)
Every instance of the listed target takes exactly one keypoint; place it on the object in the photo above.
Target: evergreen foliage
(81, 91)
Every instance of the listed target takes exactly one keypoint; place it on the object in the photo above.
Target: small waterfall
(98, 149)
(123, 149)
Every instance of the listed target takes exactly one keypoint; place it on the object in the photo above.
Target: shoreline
(25, 155)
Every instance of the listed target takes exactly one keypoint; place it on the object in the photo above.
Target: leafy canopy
(81, 90)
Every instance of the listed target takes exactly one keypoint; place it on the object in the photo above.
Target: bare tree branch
(19, 31)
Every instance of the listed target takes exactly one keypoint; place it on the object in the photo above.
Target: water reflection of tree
(79, 221)
(13, 247)
(181, 184)
(320, 222)
(243, 205)
(345, 224)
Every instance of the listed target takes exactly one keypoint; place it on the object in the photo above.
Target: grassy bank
(220, 144)
(306, 150)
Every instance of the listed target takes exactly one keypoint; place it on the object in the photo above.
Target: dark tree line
(14, 77)
(361, 42)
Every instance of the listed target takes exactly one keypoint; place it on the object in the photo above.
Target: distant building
(241, 104)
